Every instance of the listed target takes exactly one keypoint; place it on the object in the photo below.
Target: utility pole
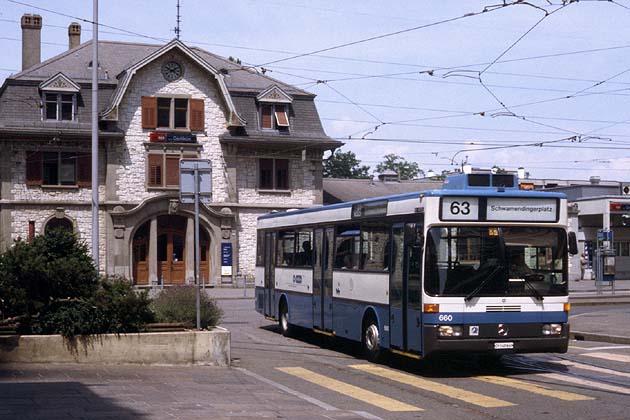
(95, 230)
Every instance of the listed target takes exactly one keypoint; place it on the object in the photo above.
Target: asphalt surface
(315, 377)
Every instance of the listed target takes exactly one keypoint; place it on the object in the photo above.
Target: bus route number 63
(458, 207)
(445, 318)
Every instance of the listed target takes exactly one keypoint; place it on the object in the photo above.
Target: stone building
(157, 104)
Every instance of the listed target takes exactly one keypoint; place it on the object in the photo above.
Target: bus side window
(347, 247)
(286, 248)
(374, 247)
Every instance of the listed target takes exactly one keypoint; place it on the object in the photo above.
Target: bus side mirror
(573, 248)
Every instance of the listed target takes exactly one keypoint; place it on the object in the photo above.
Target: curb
(584, 336)
(591, 302)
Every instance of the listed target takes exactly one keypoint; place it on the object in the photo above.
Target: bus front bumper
(499, 345)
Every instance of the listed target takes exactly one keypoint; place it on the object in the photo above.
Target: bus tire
(283, 319)
(371, 341)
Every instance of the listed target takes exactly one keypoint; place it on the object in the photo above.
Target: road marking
(305, 397)
(592, 368)
(449, 391)
(352, 391)
(603, 348)
(609, 356)
(288, 390)
(585, 382)
(578, 348)
(534, 389)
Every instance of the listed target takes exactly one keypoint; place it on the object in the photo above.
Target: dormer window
(59, 98)
(59, 106)
(274, 117)
(273, 105)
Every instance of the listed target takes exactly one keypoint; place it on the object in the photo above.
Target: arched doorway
(59, 223)
(174, 252)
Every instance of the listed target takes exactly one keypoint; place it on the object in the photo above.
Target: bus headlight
(450, 330)
(552, 329)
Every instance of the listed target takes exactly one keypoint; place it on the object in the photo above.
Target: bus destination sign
(499, 209)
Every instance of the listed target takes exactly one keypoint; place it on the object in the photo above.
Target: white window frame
(171, 115)
(59, 102)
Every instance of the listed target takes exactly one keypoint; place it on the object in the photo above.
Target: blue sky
(421, 88)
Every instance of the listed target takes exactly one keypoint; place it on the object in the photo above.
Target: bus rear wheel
(371, 339)
(283, 320)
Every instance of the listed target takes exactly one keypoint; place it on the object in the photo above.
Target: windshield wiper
(483, 283)
(527, 281)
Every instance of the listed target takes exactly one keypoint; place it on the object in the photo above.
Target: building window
(59, 168)
(273, 174)
(172, 113)
(59, 106)
(62, 223)
(163, 169)
(274, 117)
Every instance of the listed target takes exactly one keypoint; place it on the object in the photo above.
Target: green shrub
(178, 304)
(54, 266)
(51, 286)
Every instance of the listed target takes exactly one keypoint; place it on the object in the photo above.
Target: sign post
(195, 185)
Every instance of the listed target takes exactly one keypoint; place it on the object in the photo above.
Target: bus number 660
(445, 318)
(460, 208)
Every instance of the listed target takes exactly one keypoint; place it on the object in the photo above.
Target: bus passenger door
(404, 287)
(318, 276)
(413, 270)
(397, 286)
(270, 266)
(327, 266)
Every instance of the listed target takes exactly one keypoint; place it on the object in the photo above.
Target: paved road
(591, 381)
(313, 377)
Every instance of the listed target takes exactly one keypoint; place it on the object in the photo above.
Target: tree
(345, 165)
(398, 164)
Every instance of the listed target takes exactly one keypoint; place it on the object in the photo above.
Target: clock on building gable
(172, 70)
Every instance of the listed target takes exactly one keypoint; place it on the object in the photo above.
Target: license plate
(503, 346)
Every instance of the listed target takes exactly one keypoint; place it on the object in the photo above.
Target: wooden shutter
(155, 170)
(171, 172)
(197, 115)
(84, 169)
(266, 119)
(149, 112)
(282, 174)
(282, 119)
(34, 168)
(265, 174)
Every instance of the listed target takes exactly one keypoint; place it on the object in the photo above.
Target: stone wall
(148, 81)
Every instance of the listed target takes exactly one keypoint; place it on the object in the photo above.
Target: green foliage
(398, 164)
(178, 304)
(53, 266)
(51, 286)
(345, 165)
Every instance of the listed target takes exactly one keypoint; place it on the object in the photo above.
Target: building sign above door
(166, 137)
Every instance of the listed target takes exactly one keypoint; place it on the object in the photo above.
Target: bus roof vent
(506, 181)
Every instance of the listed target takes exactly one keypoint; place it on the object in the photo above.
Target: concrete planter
(188, 347)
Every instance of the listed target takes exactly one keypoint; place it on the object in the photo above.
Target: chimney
(74, 35)
(31, 40)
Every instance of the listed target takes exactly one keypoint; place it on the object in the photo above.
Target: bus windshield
(496, 261)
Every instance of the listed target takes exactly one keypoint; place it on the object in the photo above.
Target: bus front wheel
(283, 320)
(371, 339)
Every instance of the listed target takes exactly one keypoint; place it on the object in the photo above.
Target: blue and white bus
(477, 266)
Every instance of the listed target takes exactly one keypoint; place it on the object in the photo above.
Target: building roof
(20, 104)
(342, 190)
